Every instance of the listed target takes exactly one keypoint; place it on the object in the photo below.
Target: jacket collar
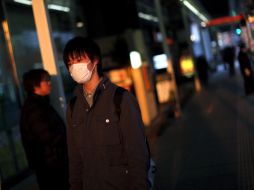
(43, 99)
(103, 85)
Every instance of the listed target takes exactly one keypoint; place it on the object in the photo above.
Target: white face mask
(80, 73)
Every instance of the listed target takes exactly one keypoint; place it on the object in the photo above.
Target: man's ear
(96, 61)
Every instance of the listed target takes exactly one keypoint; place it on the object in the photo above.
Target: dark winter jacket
(105, 153)
(43, 134)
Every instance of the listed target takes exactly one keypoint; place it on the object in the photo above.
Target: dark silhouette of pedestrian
(202, 69)
(246, 69)
(229, 58)
(43, 133)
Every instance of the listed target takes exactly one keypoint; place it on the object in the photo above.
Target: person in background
(229, 58)
(43, 133)
(246, 69)
(106, 152)
(202, 69)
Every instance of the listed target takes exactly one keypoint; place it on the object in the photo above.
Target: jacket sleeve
(75, 164)
(135, 142)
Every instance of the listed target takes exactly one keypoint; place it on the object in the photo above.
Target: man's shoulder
(127, 96)
(120, 89)
(72, 100)
(31, 105)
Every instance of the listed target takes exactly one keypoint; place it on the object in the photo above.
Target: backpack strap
(118, 96)
(72, 103)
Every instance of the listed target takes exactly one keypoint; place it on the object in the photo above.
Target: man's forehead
(77, 56)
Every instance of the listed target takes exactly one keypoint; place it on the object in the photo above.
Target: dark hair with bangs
(33, 78)
(78, 46)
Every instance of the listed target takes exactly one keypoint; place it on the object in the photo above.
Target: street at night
(211, 145)
(84, 85)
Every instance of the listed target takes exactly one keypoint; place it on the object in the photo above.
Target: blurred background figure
(202, 69)
(43, 133)
(229, 59)
(246, 69)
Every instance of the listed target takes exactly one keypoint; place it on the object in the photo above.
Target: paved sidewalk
(211, 147)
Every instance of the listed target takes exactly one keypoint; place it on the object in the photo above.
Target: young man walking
(107, 150)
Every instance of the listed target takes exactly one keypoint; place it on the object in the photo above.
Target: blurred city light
(160, 61)
(136, 61)
(58, 8)
(194, 10)
(147, 17)
(50, 6)
(187, 66)
(25, 2)
(238, 31)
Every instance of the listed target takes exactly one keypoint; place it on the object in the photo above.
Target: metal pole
(167, 51)
(48, 53)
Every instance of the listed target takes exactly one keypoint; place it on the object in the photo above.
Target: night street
(62, 121)
(211, 147)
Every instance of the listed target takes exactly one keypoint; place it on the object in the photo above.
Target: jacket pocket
(117, 178)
